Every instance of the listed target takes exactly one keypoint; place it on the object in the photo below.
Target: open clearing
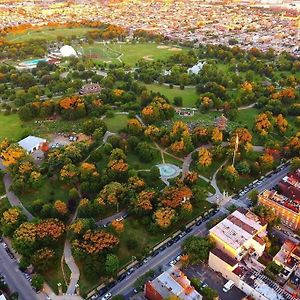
(127, 53)
(188, 95)
(48, 33)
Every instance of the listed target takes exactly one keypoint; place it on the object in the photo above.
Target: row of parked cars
(8, 251)
(103, 293)
(259, 181)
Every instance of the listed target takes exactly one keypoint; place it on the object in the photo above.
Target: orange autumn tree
(61, 207)
(118, 226)
(266, 161)
(217, 135)
(263, 124)
(244, 139)
(176, 196)
(281, 123)
(247, 86)
(144, 201)
(134, 126)
(11, 155)
(204, 157)
(52, 229)
(164, 217)
(95, 242)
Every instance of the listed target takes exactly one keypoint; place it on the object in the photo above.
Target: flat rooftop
(288, 203)
(265, 286)
(237, 228)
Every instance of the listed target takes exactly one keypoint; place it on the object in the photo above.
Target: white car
(172, 262)
(106, 296)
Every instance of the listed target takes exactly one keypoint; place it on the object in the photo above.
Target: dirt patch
(148, 57)
(163, 47)
(175, 49)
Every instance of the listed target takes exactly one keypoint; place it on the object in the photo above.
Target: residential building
(239, 234)
(289, 258)
(31, 143)
(287, 209)
(290, 186)
(239, 241)
(172, 282)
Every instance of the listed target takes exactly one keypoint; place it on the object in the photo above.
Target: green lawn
(54, 275)
(189, 95)
(47, 33)
(135, 162)
(126, 52)
(11, 127)
(207, 171)
(2, 187)
(4, 205)
(49, 191)
(172, 160)
(116, 123)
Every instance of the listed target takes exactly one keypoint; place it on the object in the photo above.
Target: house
(31, 143)
(171, 283)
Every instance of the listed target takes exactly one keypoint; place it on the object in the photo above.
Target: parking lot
(213, 280)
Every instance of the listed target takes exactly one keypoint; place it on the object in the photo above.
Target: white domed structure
(67, 51)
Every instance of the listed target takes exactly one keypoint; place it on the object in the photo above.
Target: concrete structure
(31, 143)
(90, 88)
(289, 258)
(287, 209)
(239, 234)
(172, 282)
(260, 287)
(239, 240)
(290, 186)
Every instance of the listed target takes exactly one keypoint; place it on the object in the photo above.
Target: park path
(109, 219)
(75, 273)
(11, 196)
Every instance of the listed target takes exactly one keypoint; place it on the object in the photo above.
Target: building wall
(248, 290)
(287, 217)
(222, 267)
(220, 244)
(151, 293)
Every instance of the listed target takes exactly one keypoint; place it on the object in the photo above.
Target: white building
(196, 68)
(67, 51)
(31, 143)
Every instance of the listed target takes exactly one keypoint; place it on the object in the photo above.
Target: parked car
(106, 296)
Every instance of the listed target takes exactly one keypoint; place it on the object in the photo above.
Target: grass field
(11, 127)
(48, 192)
(127, 53)
(116, 123)
(47, 33)
(189, 96)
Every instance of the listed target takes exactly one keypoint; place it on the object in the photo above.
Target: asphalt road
(14, 277)
(125, 286)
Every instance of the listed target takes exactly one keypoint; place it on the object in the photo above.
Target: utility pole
(236, 147)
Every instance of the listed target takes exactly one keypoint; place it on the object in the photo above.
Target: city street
(14, 278)
(125, 286)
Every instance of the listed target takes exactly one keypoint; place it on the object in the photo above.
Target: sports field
(47, 33)
(127, 53)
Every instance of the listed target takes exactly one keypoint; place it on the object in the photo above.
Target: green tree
(197, 248)
(37, 281)
(209, 293)
(253, 196)
(112, 264)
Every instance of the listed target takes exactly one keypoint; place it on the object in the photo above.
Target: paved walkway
(122, 213)
(69, 259)
(12, 197)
